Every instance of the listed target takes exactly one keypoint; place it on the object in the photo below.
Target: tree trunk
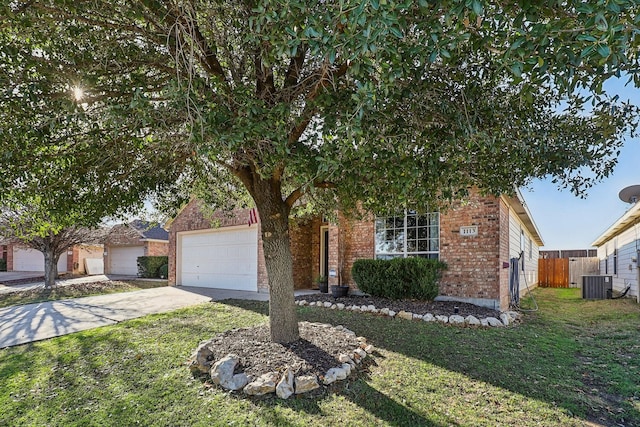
(274, 221)
(50, 268)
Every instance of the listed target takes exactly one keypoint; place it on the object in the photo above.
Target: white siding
(530, 275)
(628, 244)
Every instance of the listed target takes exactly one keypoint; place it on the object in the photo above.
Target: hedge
(149, 266)
(399, 278)
(3, 264)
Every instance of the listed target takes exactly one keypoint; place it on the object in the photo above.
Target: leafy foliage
(150, 266)
(398, 278)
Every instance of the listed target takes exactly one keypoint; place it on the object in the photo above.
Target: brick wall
(504, 255)
(156, 248)
(473, 261)
(301, 250)
(359, 243)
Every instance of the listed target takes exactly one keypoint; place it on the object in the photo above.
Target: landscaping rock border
(506, 318)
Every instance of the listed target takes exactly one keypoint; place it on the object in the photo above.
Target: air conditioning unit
(597, 287)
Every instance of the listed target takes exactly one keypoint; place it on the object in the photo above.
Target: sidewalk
(23, 324)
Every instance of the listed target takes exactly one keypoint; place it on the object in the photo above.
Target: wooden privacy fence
(553, 273)
(565, 272)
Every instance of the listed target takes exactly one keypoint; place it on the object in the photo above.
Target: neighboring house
(22, 258)
(618, 252)
(476, 239)
(126, 242)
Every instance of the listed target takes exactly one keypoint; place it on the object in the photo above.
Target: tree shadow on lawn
(537, 359)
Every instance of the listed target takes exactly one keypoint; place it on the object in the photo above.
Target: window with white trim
(408, 235)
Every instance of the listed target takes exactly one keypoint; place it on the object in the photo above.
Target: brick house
(126, 242)
(476, 238)
(22, 258)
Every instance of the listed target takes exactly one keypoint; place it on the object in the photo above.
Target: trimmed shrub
(399, 278)
(163, 271)
(149, 266)
(3, 264)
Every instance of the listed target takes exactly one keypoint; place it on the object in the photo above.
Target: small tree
(35, 227)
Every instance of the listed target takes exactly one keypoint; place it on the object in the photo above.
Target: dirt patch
(446, 308)
(315, 352)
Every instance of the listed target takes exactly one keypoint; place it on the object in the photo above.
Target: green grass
(76, 291)
(571, 363)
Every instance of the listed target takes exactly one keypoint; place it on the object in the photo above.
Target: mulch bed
(446, 308)
(316, 352)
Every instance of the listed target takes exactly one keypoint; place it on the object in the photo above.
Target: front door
(324, 251)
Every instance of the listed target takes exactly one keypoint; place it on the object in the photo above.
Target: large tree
(366, 104)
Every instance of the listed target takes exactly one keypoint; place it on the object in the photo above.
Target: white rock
(405, 315)
(484, 322)
(222, 371)
(417, 316)
(304, 302)
(347, 368)
(355, 308)
(339, 328)
(361, 339)
(441, 318)
(472, 320)
(385, 311)
(306, 383)
(284, 389)
(371, 308)
(514, 315)
(265, 383)
(428, 317)
(343, 358)
(392, 313)
(364, 308)
(506, 319)
(360, 354)
(349, 332)
(369, 349)
(456, 318)
(340, 306)
(334, 374)
(327, 304)
(333, 306)
(492, 321)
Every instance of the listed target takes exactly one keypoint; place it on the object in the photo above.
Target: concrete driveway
(34, 322)
(23, 324)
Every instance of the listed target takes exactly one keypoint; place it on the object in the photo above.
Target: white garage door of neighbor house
(124, 259)
(223, 259)
(33, 260)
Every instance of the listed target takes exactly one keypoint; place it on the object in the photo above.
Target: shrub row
(399, 278)
(152, 266)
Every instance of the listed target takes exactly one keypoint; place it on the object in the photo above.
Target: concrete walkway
(23, 324)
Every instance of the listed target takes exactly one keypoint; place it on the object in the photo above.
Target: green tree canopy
(338, 103)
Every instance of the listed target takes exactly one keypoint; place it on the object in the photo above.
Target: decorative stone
(364, 308)
(334, 374)
(202, 358)
(361, 339)
(333, 306)
(360, 354)
(472, 320)
(343, 358)
(304, 302)
(349, 332)
(306, 383)
(456, 318)
(347, 368)
(371, 308)
(327, 304)
(405, 315)
(385, 311)
(339, 328)
(369, 349)
(484, 322)
(514, 315)
(355, 308)
(417, 316)
(375, 310)
(441, 318)
(492, 321)
(506, 319)
(284, 389)
(340, 306)
(222, 370)
(391, 313)
(428, 317)
(265, 383)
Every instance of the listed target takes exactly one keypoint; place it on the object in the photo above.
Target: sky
(568, 222)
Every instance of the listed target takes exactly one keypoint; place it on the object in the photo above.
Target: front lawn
(571, 363)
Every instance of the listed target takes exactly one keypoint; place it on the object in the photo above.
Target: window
(408, 235)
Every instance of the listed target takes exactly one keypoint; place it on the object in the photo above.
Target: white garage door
(124, 259)
(33, 260)
(223, 259)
